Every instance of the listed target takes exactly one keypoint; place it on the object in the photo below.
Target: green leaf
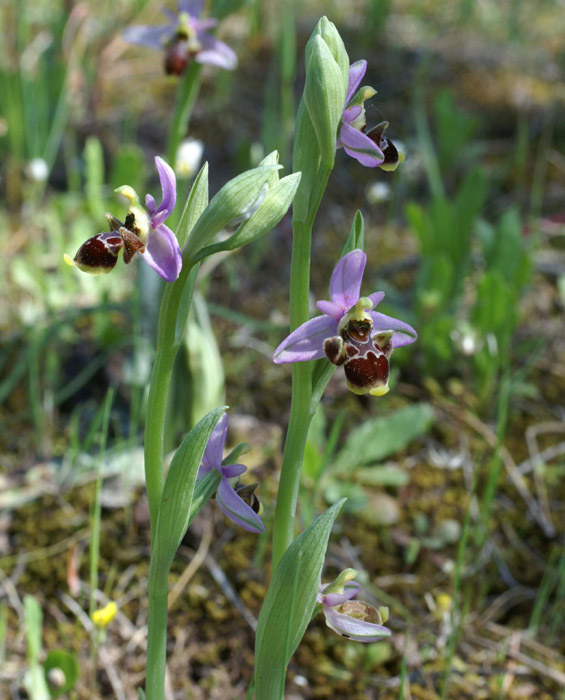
(176, 501)
(305, 159)
(381, 437)
(272, 209)
(289, 605)
(356, 238)
(68, 664)
(196, 203)
(227, 205)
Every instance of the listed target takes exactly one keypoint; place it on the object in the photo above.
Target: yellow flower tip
(367, 93)
(128, 193)
(380, 390)
(105, 615)
(70, 262)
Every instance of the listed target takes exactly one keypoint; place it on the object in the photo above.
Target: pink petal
(376, 298)
(351, 589)
(306, 342)
(345, 283)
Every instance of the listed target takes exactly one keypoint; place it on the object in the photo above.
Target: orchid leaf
(196, 203)
(176, 501)
(289, 605)
(382, 437)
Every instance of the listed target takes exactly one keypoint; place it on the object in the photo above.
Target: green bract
(230, 203)
(327, 80)
(271, 210)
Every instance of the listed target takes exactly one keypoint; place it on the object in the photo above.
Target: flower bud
(233, 200)
(324, 94)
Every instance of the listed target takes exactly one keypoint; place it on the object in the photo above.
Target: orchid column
(319, 115)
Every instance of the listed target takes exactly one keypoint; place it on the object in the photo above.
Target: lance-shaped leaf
(274, 206)
(289, 605)
(305, 159)
(176, 501)
(327, 30)
(196, 203)
(229, 203)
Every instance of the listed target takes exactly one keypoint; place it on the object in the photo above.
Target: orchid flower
(350, 333)
(355, 619)
(371, 148)
(143, 232)
(184, 39)
(233, 500)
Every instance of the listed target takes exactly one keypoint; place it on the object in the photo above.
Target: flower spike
(350, 333)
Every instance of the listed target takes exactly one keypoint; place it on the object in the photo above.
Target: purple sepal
(169, 194)
(162, 253)
(359, 146)
(357, 71)
(236, 509)
(354, 629)
(307, 341)
(345, 282)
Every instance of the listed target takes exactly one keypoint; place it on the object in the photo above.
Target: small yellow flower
(444, 602)
(105, 615)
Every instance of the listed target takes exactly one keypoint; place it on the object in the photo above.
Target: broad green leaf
(381, 437)
(196, 203)
(175, 506)
(289, 605)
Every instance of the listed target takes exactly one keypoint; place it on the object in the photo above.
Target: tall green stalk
(301, 410)
(186, 97)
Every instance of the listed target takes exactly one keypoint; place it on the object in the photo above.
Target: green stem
(186, 97)
(169, 334)
(300, 408)
(172, 318)
(156, 644)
